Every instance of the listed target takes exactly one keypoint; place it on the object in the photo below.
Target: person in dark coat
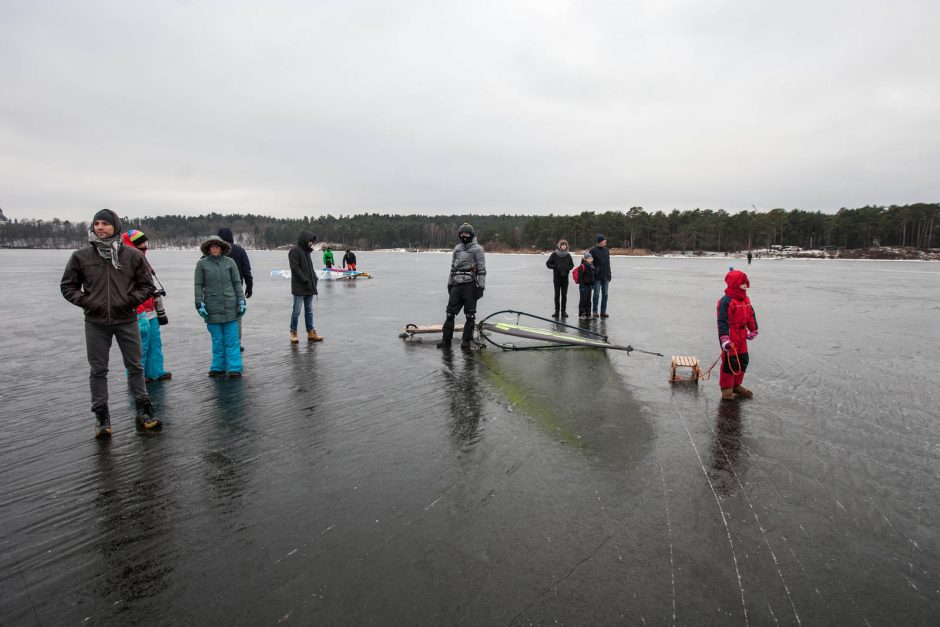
(602, 276)
(109, 280)
(303, 285)
(349, 260)
(238, 254)
(465, 285)
(561, 264)
(586, 276)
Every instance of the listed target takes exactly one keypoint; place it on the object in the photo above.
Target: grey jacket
(108, 295)
(219, 286)
(468, 263)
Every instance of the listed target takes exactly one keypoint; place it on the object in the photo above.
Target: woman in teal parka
(221, 302)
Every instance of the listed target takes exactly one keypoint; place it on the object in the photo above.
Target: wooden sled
(685, 361)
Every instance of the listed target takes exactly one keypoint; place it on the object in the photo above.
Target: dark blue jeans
(307, 302)
(600, 291)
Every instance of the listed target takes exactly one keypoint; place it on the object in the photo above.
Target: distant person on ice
(238, 254)
(220, 301)
(349, 260)
(736, 325)
(109, 281)
(585, 279)
(561, 264)
(327, 257)
(465, 285)
(151, 341)
(602, 276)
(303, 285)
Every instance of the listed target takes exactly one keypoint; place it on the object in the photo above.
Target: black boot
(102, 422)
(467, 338)
(146, 421)
(448, 332)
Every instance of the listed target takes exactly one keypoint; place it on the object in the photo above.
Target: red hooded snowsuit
(735, 319)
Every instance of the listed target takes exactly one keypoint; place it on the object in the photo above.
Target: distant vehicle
(776, 247)
(791, 249)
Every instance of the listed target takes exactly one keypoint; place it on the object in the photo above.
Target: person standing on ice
(151, 341)
(220, 301)
(737, 324)
(303, 285)
(602, 276)
(561, 263)
(327, 257)
(585, 280)
(349, 260)
(465, 285)
(109, 281)
(244, 270)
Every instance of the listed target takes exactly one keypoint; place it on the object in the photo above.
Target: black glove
(247, 291)
(479, 293)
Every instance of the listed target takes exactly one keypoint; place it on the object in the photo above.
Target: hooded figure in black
(465, 285)
(303, 285)
(241, 259)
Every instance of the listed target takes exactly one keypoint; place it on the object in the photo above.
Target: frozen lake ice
(368, 480)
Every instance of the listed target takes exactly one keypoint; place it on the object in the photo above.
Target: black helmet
(466, 228)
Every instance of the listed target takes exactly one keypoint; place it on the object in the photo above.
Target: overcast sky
(307, 108)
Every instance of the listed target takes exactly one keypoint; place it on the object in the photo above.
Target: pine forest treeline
(699, 229)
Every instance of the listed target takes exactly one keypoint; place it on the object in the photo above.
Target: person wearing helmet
(465, 285)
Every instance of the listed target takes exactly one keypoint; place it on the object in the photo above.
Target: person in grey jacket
(303, 285)
(465, 285)
(109, 281)
(220, 301)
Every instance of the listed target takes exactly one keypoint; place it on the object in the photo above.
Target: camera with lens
(160, 292)
(161, 311)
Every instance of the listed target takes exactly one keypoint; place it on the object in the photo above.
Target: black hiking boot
(465, 345)
(146, 421)
(445, 344)
(102, 423)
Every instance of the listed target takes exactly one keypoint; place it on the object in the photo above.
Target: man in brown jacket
(109, 280)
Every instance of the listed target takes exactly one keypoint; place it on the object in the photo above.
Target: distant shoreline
(855, 254)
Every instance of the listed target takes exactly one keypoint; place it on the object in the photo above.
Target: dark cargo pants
(98, 345)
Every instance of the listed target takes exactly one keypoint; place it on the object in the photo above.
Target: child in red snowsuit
(736, 325)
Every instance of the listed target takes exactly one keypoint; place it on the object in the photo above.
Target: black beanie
(110, 217)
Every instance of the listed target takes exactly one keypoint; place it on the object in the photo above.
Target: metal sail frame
(598, 340)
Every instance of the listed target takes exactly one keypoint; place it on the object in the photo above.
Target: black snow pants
(462, 296)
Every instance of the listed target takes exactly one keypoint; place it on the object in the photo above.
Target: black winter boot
(102, 422)
(448, 332)
(146, 421)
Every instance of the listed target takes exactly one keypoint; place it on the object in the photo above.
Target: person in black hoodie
(238, 254)
(561, 264)
(303, 285)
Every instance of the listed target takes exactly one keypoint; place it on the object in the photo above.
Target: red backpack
(576, 274)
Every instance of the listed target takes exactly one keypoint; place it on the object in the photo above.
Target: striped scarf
(108, 248)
